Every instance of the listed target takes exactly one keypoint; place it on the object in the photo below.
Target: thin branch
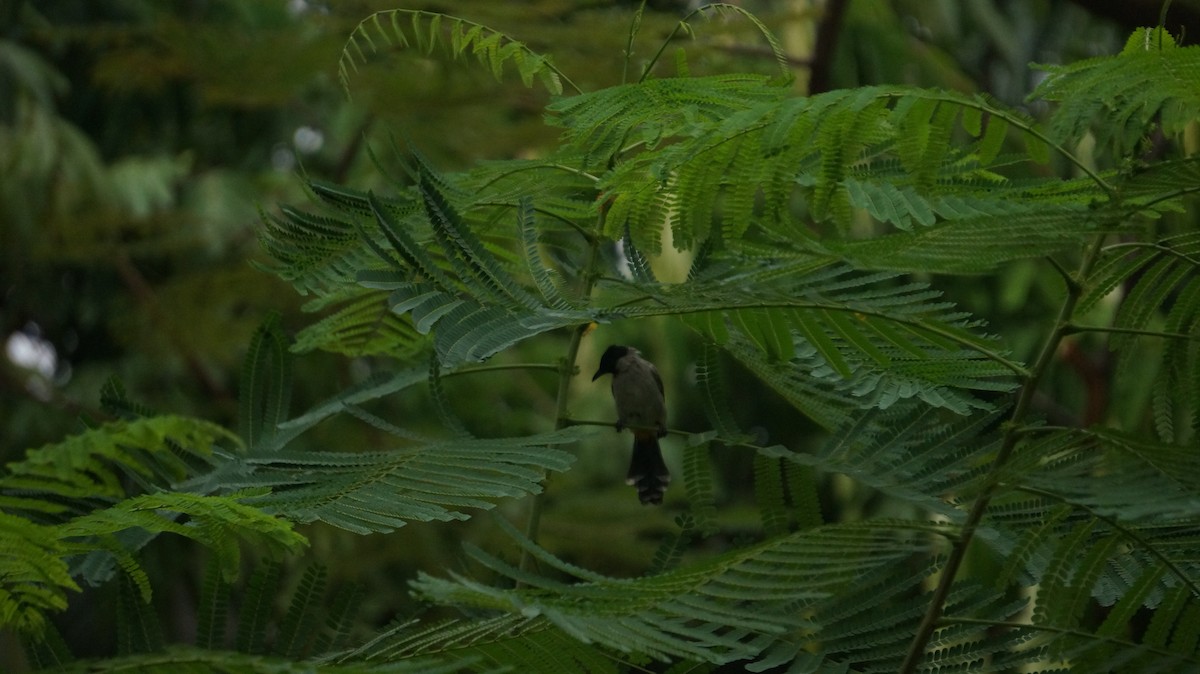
(567, 370)
(1062, 271)
(1074, 328)
(685, 25)
(1032, 430)
(941, 594)
(587, 235)
(567, 421)
(1134, 208)
(634, 26)
(1155, 246)
(1090, 636)
(501, 367)
(645, 297)
(533, 167)
(348, 156)
(663, 47)
(1076, 161)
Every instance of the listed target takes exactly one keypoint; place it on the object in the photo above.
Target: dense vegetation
(883, 461)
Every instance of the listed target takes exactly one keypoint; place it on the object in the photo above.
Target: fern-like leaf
(605, 122)
(769, 493)
(214, 608)
(339, 619)
(116, 401)
(724, 609)
(427, 31)
(1160, 284)
(214, 520)
(476, 307)
(755, 161)
(364, 326)
(909, 453)
(297, 631)
(257, 607)
(698, 481)
(877, 341)
(191, 660)
(380, 491)
(1152, 81)
(138, 630)
(482, 645)
(266, 383)
(66, 476)
(34, 576)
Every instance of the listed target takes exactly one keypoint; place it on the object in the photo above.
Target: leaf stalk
(1012, 434)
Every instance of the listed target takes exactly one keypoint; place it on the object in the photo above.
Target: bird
(637, 390)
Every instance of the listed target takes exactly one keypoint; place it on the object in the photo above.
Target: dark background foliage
(139, 140)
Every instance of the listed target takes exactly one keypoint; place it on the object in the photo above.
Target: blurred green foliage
(139, 139)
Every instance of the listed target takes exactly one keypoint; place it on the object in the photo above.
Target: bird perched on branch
(638, 392)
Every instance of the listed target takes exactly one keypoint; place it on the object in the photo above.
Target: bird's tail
(647, 470)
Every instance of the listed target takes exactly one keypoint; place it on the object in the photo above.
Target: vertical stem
(633, 31)
(937, 603)
(566, 372)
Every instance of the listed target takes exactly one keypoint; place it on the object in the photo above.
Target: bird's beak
(597, 375)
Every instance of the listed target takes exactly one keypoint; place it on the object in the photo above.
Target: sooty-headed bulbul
(638, 391)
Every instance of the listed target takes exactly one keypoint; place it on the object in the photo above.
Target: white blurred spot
(28, 351)
(308, 140)
(623, 267)
(283, 159)
(31, 352)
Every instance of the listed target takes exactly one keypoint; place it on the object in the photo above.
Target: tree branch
(937, 603)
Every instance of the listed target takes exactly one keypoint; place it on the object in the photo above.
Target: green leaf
(723, 609)
(266, 384)
(491, 48)
(888, 203)
(370, 492)
(1152, 82)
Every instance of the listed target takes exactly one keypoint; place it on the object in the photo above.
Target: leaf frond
(456, 37)
(372, 492)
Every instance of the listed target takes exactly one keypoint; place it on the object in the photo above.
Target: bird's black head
(608, 362)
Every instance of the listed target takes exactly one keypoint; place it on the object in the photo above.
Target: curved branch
(941, 594)
(1074, 328)
(1155, 246)
(1124, 643)
(683, 25)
